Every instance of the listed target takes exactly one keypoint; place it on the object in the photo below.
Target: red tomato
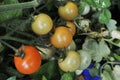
(30, 62)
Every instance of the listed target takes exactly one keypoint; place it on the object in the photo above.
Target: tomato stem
(10, 46)
(23, 5)
(16, 39)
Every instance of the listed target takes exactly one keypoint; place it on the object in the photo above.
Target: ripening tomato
(71, 62)
(42, 24)
(62, 37)
(31, 61)
(69, 11)
(71, 26)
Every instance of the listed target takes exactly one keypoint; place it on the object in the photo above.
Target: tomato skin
(42, 24)
(71, 62)
(69, 11)
(72, 27)
(31, 61)
(61, 38)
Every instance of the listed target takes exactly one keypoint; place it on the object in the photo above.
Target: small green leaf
(106, 76)
(108, 68)
(112, 25)
(13, 71)
(117, 56)
(67, 76)
(44, 78)
(105, 16)
(82, 7)
(12, 78)
(48, 69)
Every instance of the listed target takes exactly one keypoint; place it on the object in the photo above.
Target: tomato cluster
(61, 38)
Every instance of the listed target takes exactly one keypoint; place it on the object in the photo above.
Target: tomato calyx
(20, 53)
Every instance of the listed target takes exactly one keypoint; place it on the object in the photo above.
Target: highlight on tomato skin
(31, 61)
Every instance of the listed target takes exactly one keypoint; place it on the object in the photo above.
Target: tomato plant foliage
(90, 32)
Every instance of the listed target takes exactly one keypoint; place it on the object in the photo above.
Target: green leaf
(82, 6)
(105, 16)
(106, 75)
(92, 47)
(116, 72)
(44, 78)
(67, 76)
(104, 49)
(112, 25)
(91, 2)
(49, 69)
(99, 3)
(11, 71)
(10, 14)
(108, 68)
(12, 78)
(97, 50)
(117, 56)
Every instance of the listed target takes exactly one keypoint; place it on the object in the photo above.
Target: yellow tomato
(69, 11)
(42, 24)
(71, 62)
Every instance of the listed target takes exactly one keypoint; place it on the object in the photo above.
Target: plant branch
(8, 45)
(23, 5)
(17, 39)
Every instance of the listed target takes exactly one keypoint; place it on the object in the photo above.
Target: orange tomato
(61, 38)
(72, 27)
(30, 62)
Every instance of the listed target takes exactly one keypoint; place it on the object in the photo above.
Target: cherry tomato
(85, 59)
(42, 24)
(69, 11)
(71, 62)
(71, 26)
(46, 53)
(31, 61)
(61, 38)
